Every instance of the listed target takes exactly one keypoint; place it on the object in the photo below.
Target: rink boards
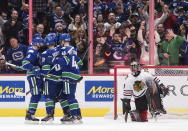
(94, 93)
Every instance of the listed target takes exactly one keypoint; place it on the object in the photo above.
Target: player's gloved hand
(37, 71)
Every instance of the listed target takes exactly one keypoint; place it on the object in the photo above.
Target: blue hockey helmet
(37, 40)
(65, 37)
(50, 39)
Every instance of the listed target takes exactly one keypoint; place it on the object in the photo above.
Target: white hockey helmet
(135, 67)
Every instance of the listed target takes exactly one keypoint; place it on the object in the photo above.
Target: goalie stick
(126, 116)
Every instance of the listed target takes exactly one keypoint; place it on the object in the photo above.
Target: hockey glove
(37, 71)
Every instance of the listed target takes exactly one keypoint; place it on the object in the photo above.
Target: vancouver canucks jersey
(31, 60)
(15, 56)
(72, 70)
(51, 70)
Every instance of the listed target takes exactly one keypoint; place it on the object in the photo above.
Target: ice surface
(95, 124)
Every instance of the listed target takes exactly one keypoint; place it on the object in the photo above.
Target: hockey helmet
(50, 39)
(65, 37)
(37, 41)
(135, 68)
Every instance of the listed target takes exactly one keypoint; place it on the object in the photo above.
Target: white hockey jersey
(136, 86)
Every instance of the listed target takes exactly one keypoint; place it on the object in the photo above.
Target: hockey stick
(126, 116)
(21, 93)
(15, 66)
(25, 94)
(70, 82)
(86, 51)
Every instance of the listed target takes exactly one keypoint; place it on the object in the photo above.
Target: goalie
(146, 91)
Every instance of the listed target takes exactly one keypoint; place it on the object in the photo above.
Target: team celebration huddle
(54, 72)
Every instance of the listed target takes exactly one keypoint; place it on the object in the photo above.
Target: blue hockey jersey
(31, 60)
(15, 56)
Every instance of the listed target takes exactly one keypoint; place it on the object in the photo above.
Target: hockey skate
(77, 120)
(30, 119)
(67, 119)
(48, 119)
(155, 114)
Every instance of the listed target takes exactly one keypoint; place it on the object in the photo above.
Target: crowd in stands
(121, 32)
(58, 16)
(121, 29)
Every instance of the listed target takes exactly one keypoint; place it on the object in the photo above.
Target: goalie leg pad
(135, 116)
(139, 116)
(144, 116)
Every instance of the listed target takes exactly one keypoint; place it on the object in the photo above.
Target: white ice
(95, 124)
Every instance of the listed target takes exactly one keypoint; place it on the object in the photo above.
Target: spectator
(184, 54)
(100, 65)
(82, 44)
(3, 18)
(101, 35)
(56, 17)
(11, 27)
(3, 67)
(161, 31)
(115, 52)
(39, 31)
(81, 8)
(81, 41)
(99, 7)
(183, 31)
(169, 50)
(77, 23)
(143, 38)
(100, 18)
(111, 22)
(120, 15)
(59, 30)
(66, 7)
(16, 54)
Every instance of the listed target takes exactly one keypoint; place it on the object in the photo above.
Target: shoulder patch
(31, 51)
(44, 52)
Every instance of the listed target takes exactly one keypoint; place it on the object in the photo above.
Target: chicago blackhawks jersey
(137, 86)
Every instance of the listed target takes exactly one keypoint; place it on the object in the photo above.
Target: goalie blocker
(147, 94)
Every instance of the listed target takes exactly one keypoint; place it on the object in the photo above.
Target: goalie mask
(135, 68)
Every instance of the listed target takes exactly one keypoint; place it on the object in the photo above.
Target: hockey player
(142, 86)
(31, 64)
(70, 76)
(53, 84)
(50, 79)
